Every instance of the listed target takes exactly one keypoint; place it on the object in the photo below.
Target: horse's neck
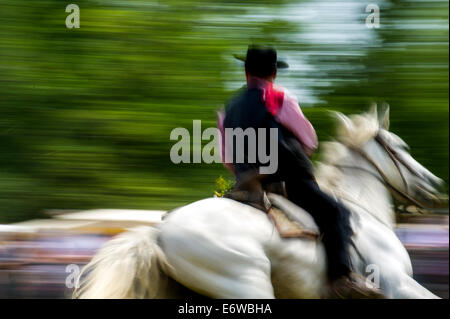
(357, 186)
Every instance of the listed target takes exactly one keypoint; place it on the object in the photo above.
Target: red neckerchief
(272, 97)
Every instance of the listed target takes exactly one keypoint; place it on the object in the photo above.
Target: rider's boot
(353, 286)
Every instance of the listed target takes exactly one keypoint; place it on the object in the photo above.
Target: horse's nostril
(438, 184)
(440, 188)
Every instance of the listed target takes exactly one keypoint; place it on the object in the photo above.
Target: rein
(384, 180)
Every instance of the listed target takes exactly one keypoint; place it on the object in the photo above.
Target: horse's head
(389, 158)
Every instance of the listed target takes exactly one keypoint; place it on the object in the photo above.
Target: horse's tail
(131, 265)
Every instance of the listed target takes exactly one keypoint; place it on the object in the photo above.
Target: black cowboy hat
(261, 60)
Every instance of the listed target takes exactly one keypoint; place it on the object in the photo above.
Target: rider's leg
(332, 219)
(296, 170)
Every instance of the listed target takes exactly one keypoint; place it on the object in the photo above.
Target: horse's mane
(353, 131)
(359, 129)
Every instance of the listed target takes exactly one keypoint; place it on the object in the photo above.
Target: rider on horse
(265, 105)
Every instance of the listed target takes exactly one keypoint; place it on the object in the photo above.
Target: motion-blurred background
(86, 114)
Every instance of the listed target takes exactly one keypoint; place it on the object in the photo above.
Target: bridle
(393, 155)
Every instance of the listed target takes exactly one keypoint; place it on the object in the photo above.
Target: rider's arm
(291, 117)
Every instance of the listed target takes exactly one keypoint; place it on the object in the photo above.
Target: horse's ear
(345, 124)
(384, 119)
(373, 110)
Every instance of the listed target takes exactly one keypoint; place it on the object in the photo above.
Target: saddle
(289, 221)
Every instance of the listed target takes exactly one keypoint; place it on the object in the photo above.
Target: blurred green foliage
(223, 186)
(86, 114)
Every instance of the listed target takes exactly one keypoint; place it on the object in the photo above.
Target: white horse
(221, 248)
